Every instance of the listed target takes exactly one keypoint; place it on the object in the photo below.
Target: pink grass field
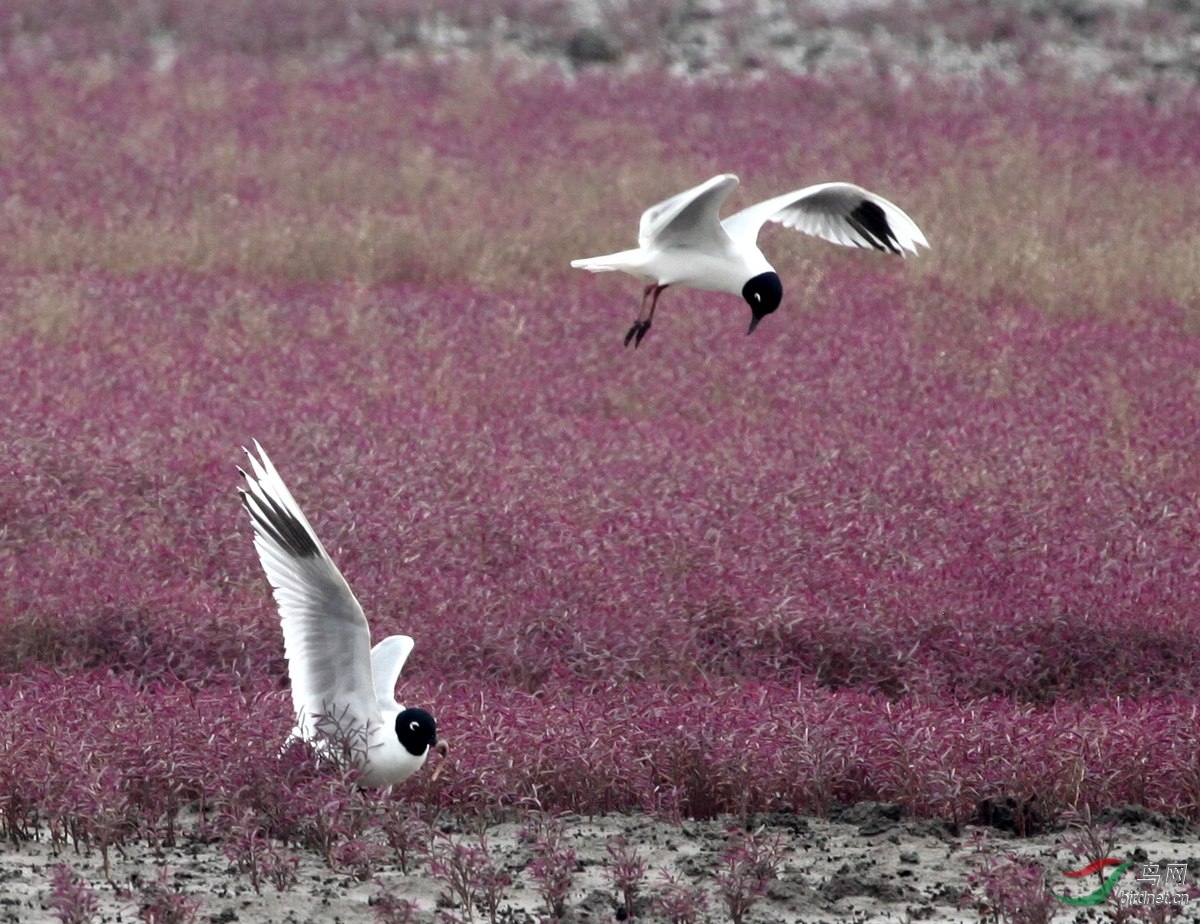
(930, 536)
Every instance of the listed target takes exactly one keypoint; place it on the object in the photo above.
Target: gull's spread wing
(387, 660)
(839, 212)
(687, 218)
(326, 638)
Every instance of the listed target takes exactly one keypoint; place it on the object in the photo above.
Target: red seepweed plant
(472, 876)
(750, 861)
(930, 539)
(553, 866)
(72, 899)
(678, 901)
(159, 902)
(626, 870)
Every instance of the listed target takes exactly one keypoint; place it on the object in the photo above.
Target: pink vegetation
(928, 536)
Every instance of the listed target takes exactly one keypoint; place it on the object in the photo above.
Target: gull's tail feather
(625, 261)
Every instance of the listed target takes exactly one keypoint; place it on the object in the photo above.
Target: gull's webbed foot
(637, 332)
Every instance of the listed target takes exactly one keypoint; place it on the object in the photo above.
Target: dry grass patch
(1021, 218)
(459, 175)
(47, 306)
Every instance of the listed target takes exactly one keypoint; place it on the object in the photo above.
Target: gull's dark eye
(413, 726)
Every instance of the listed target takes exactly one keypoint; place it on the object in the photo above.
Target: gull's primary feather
(839, 212)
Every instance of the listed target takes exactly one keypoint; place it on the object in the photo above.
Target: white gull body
(683, 241)
(343, 690)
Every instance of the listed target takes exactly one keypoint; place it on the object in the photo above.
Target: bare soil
(869, 865)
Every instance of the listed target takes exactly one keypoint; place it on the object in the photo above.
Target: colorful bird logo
(1110, 883)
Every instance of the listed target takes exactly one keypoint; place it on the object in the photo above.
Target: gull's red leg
(653, 304)
(646, 293)
(644, 318)
(642, 324)
(644, 327)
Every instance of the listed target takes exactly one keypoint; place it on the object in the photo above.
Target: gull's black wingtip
(274, 521)
(870, 221)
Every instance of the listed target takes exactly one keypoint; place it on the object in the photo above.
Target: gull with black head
(683, 241)
(343, 690)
